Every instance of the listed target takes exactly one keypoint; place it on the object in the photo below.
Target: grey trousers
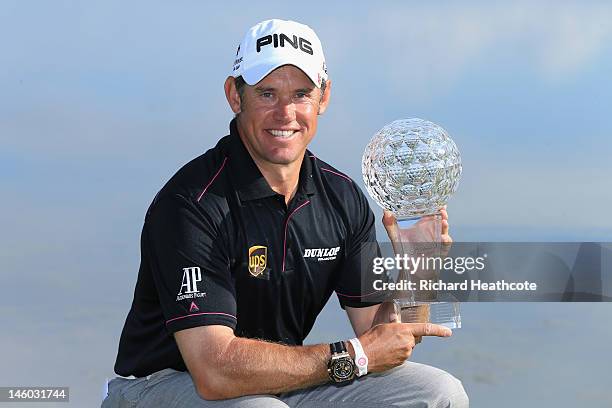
(409, 385)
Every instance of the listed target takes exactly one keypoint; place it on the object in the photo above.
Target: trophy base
(444, 311)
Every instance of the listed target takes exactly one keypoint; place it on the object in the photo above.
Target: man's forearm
(250, 366)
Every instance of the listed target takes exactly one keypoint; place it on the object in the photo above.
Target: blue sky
(95, 92)
(103, 101)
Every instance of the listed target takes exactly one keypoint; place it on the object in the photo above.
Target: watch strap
(337, 347)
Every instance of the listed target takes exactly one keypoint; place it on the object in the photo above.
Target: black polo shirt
(220, 247)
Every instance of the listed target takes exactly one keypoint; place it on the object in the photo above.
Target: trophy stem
(426, 229)
(422, 237)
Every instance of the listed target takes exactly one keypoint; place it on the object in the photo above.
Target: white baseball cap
(273, 43)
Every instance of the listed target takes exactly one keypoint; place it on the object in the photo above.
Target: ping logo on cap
(271, 44)
(279, 40)
(258, 259)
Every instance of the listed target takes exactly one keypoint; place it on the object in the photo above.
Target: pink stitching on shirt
(355, 296)
(212, 180)
(199, 314)
(286, 224)
(337, 174)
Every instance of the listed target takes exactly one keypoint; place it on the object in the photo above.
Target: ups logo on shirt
(258, 259)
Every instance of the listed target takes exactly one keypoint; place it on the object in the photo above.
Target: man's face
(278, 115)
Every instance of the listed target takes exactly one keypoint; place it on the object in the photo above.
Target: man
(243, 247)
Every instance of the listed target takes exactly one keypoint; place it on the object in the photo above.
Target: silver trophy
(411, 167)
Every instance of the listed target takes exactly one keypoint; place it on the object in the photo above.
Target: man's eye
(301, 94)
(266, 94)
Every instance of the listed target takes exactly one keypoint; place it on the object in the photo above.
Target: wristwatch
(341, 367)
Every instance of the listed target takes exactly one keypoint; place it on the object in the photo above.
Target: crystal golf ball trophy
(411, 167)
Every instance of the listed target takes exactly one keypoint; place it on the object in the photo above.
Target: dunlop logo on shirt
(258, 259)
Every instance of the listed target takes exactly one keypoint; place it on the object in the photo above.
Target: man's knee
(256, 401)
(430, 386)
(175, 389)
(451, 393)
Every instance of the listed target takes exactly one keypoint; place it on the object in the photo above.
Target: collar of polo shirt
(251, 184)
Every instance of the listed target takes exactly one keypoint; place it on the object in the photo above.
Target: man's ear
(232, 95)
(325, 99)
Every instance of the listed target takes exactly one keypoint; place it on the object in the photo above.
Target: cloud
(512, 194)
(428, 47)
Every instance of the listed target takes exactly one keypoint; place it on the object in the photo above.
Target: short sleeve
(190, 265)
(355, 285)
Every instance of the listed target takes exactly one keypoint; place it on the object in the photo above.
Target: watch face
(343, 369)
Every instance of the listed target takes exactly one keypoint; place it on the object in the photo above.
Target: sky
(101, 102)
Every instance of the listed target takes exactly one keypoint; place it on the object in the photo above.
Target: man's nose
(285, 109)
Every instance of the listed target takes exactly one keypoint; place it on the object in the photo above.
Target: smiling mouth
(282, 134)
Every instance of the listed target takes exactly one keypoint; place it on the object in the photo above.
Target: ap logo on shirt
(189, 285)
(258, 259)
